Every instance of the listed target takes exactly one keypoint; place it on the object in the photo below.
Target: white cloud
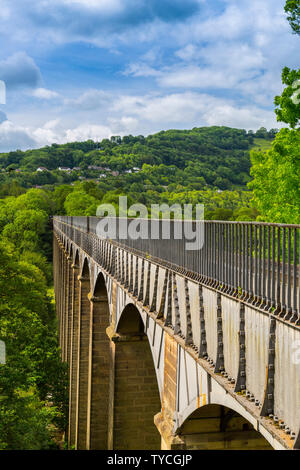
(103, 5)
(14, 137)
(87, 131)
(136, 114)
(45, 94)
(141, 70)
(191, 109)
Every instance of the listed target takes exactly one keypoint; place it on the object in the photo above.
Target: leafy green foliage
(276, 176)
(288, 104)
(33, 382)
(292, 8)
(80, 203)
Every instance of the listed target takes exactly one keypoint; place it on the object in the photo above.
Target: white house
(41, 168)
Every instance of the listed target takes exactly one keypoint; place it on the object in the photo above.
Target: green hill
(200, 158)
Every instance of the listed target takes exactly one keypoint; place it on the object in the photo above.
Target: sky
(89, 69)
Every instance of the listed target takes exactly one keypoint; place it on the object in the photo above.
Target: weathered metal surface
(287, 376)
(156, 336)
(210, 315)
(181, 303)
(195, 312)
(160, 287)
(189, 387)
(256, 343)
(231, 327)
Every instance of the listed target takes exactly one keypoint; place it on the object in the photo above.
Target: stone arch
(99, 354)
(136, 394)
(83, 355)
(85, 270)
(218, 427)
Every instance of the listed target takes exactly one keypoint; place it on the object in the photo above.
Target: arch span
(217, 427)
(137, 398)
(85, 270)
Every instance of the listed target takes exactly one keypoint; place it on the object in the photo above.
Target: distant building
(115, 173)
(62, 168)
(42, 168)
(94, 167)
(102, 175)
(76, 168)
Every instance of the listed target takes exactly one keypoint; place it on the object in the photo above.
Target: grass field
(262, 144)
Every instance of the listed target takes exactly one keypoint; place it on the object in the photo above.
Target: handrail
(255, 261)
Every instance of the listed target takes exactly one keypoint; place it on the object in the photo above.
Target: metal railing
(256, 262)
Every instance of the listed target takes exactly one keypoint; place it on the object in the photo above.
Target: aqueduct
(180, 353)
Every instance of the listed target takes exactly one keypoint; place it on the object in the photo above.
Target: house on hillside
(94, 167)
(42, 168)
(62, 168)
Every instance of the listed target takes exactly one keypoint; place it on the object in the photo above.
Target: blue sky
(79, 69)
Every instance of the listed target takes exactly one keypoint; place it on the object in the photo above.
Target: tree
(276, 173)
(276, 176)
(33, 375)
(80, 203)
(262, 133)
(33, 367)
(292, 8)
(288, 104)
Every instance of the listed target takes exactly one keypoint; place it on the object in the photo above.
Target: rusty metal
(241, 378)
(254, 275)
(219, 366)
(268, 404)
